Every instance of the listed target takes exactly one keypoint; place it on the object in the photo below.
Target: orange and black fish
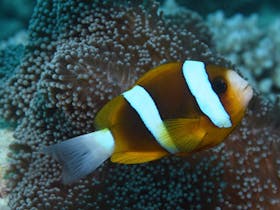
(176, 108)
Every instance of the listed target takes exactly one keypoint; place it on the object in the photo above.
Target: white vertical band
(141, 101)
(209, 103)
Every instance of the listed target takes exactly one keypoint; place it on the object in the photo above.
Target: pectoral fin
(186, 133)
(137, 157)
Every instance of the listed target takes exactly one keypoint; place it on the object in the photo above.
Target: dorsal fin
(156, 72)
(106, 116)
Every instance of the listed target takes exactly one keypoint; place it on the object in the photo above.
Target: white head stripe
(209, 103)
(141, 101)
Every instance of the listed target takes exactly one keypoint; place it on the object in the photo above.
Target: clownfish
(176, 108)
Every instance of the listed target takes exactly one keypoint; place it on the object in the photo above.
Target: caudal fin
(81, 155)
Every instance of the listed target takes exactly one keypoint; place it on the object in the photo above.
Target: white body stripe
(141, 101)
(209, 103)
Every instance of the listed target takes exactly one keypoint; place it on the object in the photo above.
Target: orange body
(189, 128)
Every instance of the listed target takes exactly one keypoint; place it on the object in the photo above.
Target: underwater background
(60, 61)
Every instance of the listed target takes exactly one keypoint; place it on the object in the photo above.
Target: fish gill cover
(79, 55)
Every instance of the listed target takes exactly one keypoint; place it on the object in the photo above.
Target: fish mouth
(246, 87)
(243, 89)
(247, 94)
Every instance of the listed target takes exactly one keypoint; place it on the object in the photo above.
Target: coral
(10, 59)
(78, 56)
(253, 47)
(247, 7)
(65, 45)
(81, 54)
(242, 173)
(251, 160)
(6, 138)
(11, 52)
(183, 18)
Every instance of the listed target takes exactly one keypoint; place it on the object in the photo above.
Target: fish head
(234, 92)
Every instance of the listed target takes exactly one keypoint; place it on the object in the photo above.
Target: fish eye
(219, 85)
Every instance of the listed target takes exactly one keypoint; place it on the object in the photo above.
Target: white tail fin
(81, 155)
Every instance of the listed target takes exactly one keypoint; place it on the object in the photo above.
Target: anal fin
(137, 157)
